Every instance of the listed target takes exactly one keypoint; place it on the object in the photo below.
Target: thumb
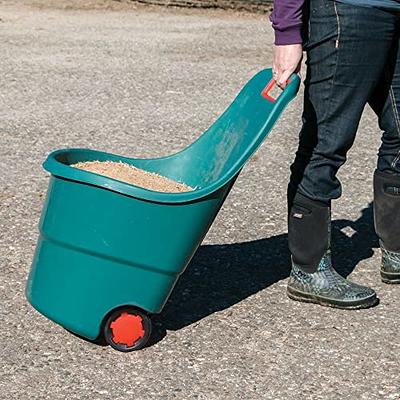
(283, 78)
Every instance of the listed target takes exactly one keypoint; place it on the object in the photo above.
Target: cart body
(105, 244)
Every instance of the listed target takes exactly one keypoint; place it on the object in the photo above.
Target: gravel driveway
(143, 81)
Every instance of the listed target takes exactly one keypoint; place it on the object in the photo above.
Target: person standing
(353, 59)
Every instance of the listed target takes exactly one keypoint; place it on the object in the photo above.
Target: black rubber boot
(308, 231)
(313, 279)
(387, 223)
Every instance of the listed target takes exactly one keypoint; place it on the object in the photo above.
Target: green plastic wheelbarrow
(109, 253)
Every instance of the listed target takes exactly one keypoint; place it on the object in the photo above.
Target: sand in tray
(130, 174)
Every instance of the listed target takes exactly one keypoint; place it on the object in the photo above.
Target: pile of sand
(135, 176)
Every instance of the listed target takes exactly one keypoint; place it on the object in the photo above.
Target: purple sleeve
(286, 20)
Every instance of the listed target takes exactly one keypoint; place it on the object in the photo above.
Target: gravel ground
(146, 82)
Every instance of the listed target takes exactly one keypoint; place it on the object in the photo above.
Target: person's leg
(386, 103)
(346, 54)
(347, 49)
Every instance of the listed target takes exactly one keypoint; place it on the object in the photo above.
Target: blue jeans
(353, 58)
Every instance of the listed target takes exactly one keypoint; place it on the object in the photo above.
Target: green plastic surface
(105, 243)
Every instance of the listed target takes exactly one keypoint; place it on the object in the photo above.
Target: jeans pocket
(320, 23)
(318, 5)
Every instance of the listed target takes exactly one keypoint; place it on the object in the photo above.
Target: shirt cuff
(290, 35)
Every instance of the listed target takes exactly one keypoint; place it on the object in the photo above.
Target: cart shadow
(220, 276)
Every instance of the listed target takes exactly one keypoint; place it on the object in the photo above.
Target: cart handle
(266, 90)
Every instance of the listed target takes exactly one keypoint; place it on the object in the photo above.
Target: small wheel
(127, 329)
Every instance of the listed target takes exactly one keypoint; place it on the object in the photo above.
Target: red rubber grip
(265, 91)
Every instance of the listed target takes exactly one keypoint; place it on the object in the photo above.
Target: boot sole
(391, 278)
(297, 295)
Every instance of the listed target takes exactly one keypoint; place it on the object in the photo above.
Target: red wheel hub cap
(127, 329)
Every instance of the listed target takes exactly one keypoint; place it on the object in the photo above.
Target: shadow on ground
(220, 276)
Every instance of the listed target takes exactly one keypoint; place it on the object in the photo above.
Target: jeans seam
(397, 121)
(336, 62)
(338, 25)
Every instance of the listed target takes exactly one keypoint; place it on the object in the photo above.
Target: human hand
(287, 59)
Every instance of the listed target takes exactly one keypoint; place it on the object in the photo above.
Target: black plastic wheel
(127, 329)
